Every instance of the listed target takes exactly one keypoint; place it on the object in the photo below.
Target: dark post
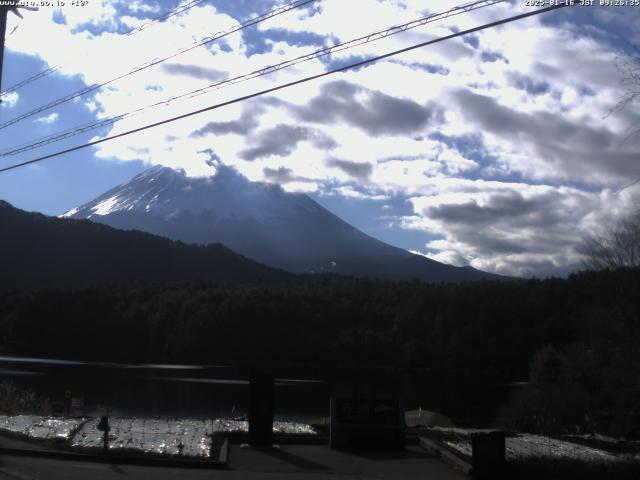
(3, 30)
(67, 403)
(104, 427)
(488, 454)
(261, 406)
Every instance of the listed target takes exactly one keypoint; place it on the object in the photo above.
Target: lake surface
(222, 391)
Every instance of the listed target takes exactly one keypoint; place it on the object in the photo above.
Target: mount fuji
(260, 221)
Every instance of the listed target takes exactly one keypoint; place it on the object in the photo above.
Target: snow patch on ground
(528, 445)
(187, 437)
(43, 428)
(289, 428)
(160, 436)
(536, 446)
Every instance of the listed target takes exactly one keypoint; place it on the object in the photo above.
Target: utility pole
(3, 30)
(4, 12)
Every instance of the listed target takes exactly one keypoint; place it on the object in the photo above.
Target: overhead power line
(165, 16)
(371, 37)
(290, 84)
(205, 41)
(628, 185)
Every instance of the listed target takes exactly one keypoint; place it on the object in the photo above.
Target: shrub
(18, 400)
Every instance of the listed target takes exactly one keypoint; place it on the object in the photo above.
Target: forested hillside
(582, 333)
(37, 250)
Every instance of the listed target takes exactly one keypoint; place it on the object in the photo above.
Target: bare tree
(617, 248)
(629, 67)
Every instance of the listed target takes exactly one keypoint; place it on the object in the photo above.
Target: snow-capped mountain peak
(166, 192)
(258, 220)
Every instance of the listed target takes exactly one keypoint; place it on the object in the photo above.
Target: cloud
(9, 100)
(283, 139)
(139, 6)
(489, 56)
(279, 175)
(285, 177)
(280, 141)
(512, 228)
(527, 83)
(571, 150)
(374, 112)
(242, 126)
(49, 119)
(357, 170)
(348, 191)
(195, 71)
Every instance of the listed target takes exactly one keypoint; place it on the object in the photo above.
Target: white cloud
(49, 119)
(9, 100)
(349, 191)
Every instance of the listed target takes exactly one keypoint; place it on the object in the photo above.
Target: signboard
(77, 402)
(366, 423)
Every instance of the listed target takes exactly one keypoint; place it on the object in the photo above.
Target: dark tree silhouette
(617, 248)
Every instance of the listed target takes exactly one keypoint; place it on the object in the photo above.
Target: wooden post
(261, 406)
(104, 427)
(488, 455)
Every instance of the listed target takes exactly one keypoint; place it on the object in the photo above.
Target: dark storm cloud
(360, 171)
(194, 71)
(282, 140)
(379, 114)
(576, 150)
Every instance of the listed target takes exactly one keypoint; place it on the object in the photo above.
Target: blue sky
(499, 150)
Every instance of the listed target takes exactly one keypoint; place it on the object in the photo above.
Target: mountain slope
(259, 221)
(43, 250)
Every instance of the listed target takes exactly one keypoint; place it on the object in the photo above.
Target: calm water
(209, 391)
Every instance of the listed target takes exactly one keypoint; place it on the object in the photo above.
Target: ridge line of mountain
(50, 251)
(259, 221)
